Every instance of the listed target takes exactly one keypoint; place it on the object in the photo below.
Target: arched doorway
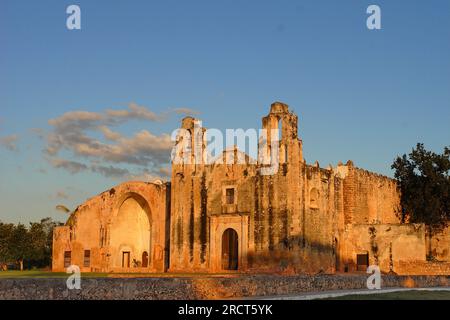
(131, 233)
(230, 253)
(144, 259)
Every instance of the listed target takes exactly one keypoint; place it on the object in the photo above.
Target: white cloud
(9, 142)
(134, 112)
(71, 166)
(110, 171)
(74, 133)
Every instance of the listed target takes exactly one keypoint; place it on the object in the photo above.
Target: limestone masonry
(200, 287)
(226, 217)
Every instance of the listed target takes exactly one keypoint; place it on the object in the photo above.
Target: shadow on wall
(294, 255)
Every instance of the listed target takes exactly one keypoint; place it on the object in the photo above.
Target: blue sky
(359, 94)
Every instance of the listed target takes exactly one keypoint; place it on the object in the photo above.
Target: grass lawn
(16, 274)
(399, 295)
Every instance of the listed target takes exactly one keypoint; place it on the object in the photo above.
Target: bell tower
(286, 122)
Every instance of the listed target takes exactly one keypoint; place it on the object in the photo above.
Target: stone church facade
(228, 217)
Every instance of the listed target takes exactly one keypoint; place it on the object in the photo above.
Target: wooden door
(230, 251)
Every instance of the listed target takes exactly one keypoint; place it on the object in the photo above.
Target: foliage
(6, 231)
(30, 246)
(424, 181)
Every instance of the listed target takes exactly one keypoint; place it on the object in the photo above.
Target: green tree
(6, 231)
(30, 246)
(20, 245)
(41, 237)
(38, 242)
(423, 178)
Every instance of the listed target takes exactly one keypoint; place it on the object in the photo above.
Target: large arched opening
(230, 251)
(131, 233)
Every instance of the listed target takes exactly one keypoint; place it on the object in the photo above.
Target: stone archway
(230, 250)
(130, 232)
(218, 226)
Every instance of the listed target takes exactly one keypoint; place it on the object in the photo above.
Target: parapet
(188, 122)
(279, 107)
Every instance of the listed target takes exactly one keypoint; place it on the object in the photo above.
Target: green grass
(16, 274)
(399, 295)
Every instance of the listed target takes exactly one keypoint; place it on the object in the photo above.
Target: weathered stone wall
(237, 215)
(189, 227)
(369, 197)
(200, 288)
(440, 245)
(421, 267)
(198, 197)
(278, 215)
(129, 217)
(323, 206)
(386, 244)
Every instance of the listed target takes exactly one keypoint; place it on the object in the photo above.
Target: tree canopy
(31, 245)
(423, 178)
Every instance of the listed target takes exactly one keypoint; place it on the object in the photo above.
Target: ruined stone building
(222, 216)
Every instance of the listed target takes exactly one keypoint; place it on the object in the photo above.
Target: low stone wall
(200, 287)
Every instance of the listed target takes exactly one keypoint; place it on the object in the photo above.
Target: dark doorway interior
(67, 258)
(362, 262)
(144, 259)
(125, 259)
(230, 254)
